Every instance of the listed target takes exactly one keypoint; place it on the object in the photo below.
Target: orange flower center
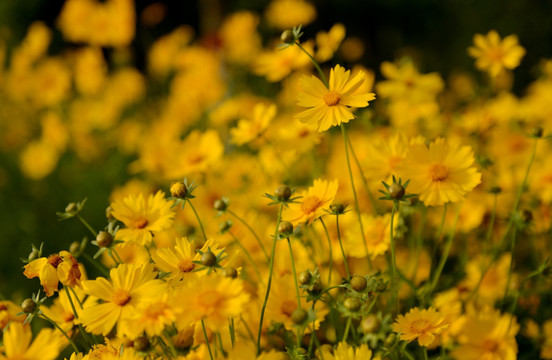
(120, 297)
(310, 204)
(288, 307)
(68, 317)
(490, 345)
(420, 326)
(140, 223)
(438, 172)
(331, 98)
(186, 265)
(3, 307)
(54, 260)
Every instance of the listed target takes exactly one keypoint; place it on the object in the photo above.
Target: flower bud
(230, 272)
(108, 213)
(287, 37)
(220, 205)
(71, 207)
(396, 191)
(535, 132)
(358, 283)
(337, 208)
(495, 190)
(527, 216)
(179, 190)
(304, 278)
(352, 303)
(285, 228)
(33, 255)
(390, 340)
(381, 287)
(299, 316)
(104, 239)
(141, 343)
(283, 192)
(208, 258)
(316, 289)
(74, 248)
(370, 324)
(225, 226)
(28, 306)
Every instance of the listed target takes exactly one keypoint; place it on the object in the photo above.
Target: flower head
(345, 351)
(18, 346)
(53, 269)
(493, 55)
(420, 324)
(312, 203)
(331, 106)
(249, 130)
(440, 173)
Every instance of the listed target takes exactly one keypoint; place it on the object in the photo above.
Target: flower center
(310, 204)
(186, 265)
(490, 345)
(120, 297)
(140, 223)
(438, 172)
(54, 260)
(331, 98)
(288, 307)
(420, 326)
(68, 317)
(3, 307)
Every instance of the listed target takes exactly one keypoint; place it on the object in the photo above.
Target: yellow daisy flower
(443, 172)
(345, 351)
(312, 203)
(142, 217)
(130, 285)
(18, 346)
(376, 235)
(420, 324)
(285, 14)
(332, 106)
(250, 130)
(328, 42)
(56, 267)
(493, 55)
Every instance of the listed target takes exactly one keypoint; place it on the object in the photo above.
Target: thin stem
(87, 225)
(96, 264)
(84, 335)
(250, 230)
(76, 297)
(232, 332)
(248, 330)
(331, 252)
(425, 352)
(315, 63)
(491, 225)
(198, 219)
(62, 331)
(248, 256)
(394, 283)
(294, 274)
(206, 339)
(117, 255)
(271, 268)
(347, 327)
(342, 251)
(357, 208)
(511, 267)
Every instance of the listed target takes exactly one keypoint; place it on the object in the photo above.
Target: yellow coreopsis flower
(130, 286)
(420, 324)
(56, 267)
(250, 130)
(331, 106)
(443, 172)
(18, 346)
(493, 55)
(345, 351)
(312, 203)
(142, 217)
(376, 235)
(328, 42)
(285, 14)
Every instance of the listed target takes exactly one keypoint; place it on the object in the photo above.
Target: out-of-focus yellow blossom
(312, 203)
(345, 351)
(54, 131)
(142, 217)
(51, 82)
(328, 42)
(385, 157)
(352, 49)
(493, 284)
(9, 313)
(493, 55)
(35, 44)
(53, 269)
(541, 181)
(62, 312)
(487, 334)
(151, 317)
(162, 54)
(17, 344)
(546, 349)
(250, 130)
(331, 106)
(420, 324)
(247, 351)
(38, 159)
(443, 172)
(240, 41)
(276, 64)
(285, 14)
(376, 235)
(90, 70)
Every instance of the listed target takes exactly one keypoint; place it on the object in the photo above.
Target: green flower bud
(208, 258)
(304, 278)
(358, 283)
(74, 248)
(142, 343)
(104, 239)
(230, 272)
(28, 306)
(220, 205)
(337, 209)
(285, 228)
(352, 303)
(299, 316)
(283, 192)
(396, 191)
(287, 37)
(71, 207)
(179, 189)
(370, 324)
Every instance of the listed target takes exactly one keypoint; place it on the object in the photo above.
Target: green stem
(347, 327)
(250, 230)
(269, 283)
(315, 63)
(198, 219)
(394, 283)
(357, 208)
(62, 331)
(76, 297)
(331, 252)
(117, 255)
(96, 264)
(294, 275)
(342, 250)
(88, 226)
(232, 332)
(84, 335)
(248, 256)
(425, 352)
(206, 338)
(491, 226)
(511, 267)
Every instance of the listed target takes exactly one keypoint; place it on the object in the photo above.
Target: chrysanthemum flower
(493, 55)
(345, 351)
(249, 130)
(312, 203)
(420, 324)
(18, 346)
(443, 172)
(130, 285)
(142, 217)
(331, 106)
(56, 267)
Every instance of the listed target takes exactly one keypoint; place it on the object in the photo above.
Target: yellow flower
(285, 14)
(38, 159)
(493, 55)
(240, 40)
(385, 157)
(331, 106)
(312, 203)
(420, 324)
(328, 42)
(376, 235)
(277, 64)
(18, 346)
(443, 172)
(345, 351)
(8, 313)
(129, 287)
(404, 82)
(56, 267)
(250, 130)
(152, 316)
(493, 284)
(487, 335)
(142, 217)
(62, 312)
